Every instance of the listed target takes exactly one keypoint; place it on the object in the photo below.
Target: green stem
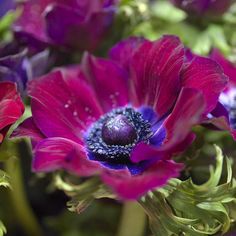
(133, 220)
(21, 206)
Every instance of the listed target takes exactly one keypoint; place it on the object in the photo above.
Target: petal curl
(207, 76)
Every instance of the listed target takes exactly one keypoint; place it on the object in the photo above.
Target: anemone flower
(71, 24)
(124, 117)
(203, 7)
(11, 107)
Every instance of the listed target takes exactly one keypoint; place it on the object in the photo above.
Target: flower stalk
(20, 203)
(133, 220)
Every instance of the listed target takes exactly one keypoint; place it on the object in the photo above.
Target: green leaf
(166, 11)
(182, 207)
(82, 195)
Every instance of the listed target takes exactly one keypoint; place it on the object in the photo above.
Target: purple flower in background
(124, 117)
(224, 115)
(16, 66)
(72, 24)
(203, 7)
(5, 6)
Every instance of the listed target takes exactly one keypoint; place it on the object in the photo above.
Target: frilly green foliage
(82, 195)
(182, 207)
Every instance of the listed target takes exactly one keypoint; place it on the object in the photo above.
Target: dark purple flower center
(115, 134)
(118, 131)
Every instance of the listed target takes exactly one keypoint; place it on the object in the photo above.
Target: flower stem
(133, 220)
(19, 200)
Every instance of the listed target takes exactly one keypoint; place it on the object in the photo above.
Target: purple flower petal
(124, 50)
(76, 30)
(31, 22)
(130, 187)
(59, 153)
(155, 73)
(109, 81)
(207, 76)
(63, 107)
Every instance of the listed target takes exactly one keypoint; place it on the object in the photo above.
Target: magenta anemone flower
(72, 24)
(203, 7)
(11, 107)
(124, 117)
(224, 115)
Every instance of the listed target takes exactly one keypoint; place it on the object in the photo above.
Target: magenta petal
(59, 153)
(28, 129)
(155, 72)
(109, 80)
(124, 50)
(63, 107)
(10, 112)
(207, 76)
(186, 113)
(143, 151)
(11, 107)
(130, 187)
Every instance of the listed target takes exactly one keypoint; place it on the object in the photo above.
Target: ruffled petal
(109, 81)
(207, 76)
(63, 107)
(59, 153)
(155, 69)
(132, 187)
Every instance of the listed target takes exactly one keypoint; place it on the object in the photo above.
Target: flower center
(118, 131)
(114, 135)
